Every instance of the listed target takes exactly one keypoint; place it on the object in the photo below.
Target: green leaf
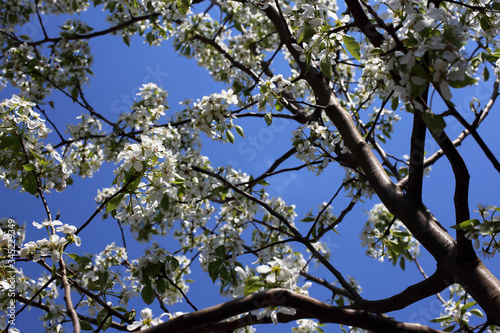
(148, 294)
(183, 6)
(487, 228)
(29, 182)
(126, 40)
(107, 323)
(465, 224)
(441, 319)
(278, 106)
(252, 284)
(436, 124)
(307, 34)
(269, 119)
(10, 142)
(263, 182)
(178, 180)
(174, 263)
(101, 316)
(229, 136)
(239, 130)
(221, 251)
(133, 185)
(394, 103)
(74, 93)
(119, 309)
(308, 219)
(352, 45)
(486, 74)
(214, 269)
(165, 203)
(485, 23)
(477, 312)
(400, 234)
(29, 167)
(467, 81)
(161, 286)
(85, 326)
(326, 67)
(74, 256)
(113, 203)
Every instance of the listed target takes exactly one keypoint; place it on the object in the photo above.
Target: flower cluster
(148, 110)
(306, 326)
(146, 321)
(284, 273)
(164, 272)
(212, 116)
(52, 246)
(488, 229)
(270, 93)
(25, 160)
(458, 308)
(316, 146)
(386, 237)
(225, 246)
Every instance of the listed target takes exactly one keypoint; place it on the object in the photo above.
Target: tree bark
(470, 272)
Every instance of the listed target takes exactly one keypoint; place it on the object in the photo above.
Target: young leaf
(29, 167)
(229, 136)
(436, 124)
(307, 34)
(85, 326)
(465, 224)
(165, 203)
(326, 67)
(239, 130)
(113, 203)
(29, 182)
(183, 6)
(352, 45)
(148, 294)
(477, 312)
(214, 269)
(269, 119)
(252, 284)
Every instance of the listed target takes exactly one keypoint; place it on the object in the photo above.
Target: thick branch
(428, 287)
(363, 23)
(417, 151)
(461, 137)
(311, 307)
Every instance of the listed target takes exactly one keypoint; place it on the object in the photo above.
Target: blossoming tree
(353, 69)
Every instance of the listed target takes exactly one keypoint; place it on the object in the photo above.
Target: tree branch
(192, 322)
(295, 232)
(417, 151)
(428, 287)
(45, 308)
(110, 30)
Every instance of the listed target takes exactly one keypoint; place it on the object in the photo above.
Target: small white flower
(146, 321)
(46, 224)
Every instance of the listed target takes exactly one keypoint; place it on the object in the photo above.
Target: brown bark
(200, 321)
(469, 271)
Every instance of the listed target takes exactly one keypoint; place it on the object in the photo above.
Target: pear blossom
(146, 321)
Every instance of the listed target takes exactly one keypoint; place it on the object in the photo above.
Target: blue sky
(119, 72)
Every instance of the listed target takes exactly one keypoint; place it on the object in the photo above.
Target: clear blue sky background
(119, 72)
